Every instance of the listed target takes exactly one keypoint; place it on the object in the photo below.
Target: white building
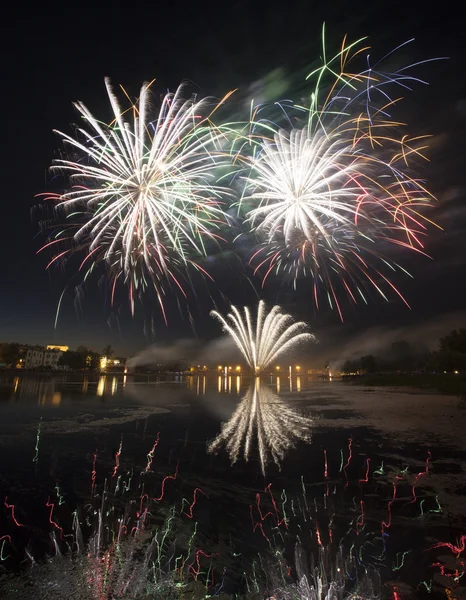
(34, 358)
(51, 358)
(39, 357)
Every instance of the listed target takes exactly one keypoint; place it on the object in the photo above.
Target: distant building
(51, 358)
(34, 357)
(38, 356)
(60, 348)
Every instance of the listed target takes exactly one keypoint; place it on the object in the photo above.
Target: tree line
(401, 356)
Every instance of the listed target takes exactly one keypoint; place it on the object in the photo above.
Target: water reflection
(43, 390)
(262, 414)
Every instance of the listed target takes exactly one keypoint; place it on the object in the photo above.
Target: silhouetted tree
(108, 351)
(351, 366)
(81, 358)
(368, 364)
(10, 354)
(455, 341)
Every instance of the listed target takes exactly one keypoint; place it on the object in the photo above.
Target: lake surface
(243, 486)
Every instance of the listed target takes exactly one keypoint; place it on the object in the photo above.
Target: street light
(298, 368)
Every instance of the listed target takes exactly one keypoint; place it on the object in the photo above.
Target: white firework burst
(144, 194)
(262, 342)
(302, 182)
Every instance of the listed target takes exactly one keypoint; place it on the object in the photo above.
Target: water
(301, 493)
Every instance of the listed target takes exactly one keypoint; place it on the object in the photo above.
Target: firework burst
(273, 334)
(143, 199)
(324, 197)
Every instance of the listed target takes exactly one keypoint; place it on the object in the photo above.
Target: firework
(325, 195)
(261, 343)
(143, 198)
(262, 414)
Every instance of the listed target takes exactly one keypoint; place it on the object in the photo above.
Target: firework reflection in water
(322, 578)
(262, 414)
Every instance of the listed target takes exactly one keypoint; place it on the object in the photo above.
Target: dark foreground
(121, 489)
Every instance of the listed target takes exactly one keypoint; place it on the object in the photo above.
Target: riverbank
(444, 383)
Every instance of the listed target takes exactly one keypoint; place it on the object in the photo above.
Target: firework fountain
(273, 334)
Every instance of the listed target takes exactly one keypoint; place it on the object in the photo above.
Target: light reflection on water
(260, 425)
(49, 391)
(262, 417)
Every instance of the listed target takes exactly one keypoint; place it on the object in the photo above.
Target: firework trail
(261, 343)
(327, 193)
(262, 414)
(143, 199)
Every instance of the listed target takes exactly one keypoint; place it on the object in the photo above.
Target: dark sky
(54, 54)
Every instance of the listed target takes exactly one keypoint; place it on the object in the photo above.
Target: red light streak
(258, 504)
(140, 504)
(51, 521)
(421, 474)
(257, 525)
(360, 521)
(319, 539)
(117, 459)
(389, 509)
(192, 569)
(454, 549)
(163, 483)
(279, 521)
(12, 512)
(456, 574)
(368, 464)
(190, 515)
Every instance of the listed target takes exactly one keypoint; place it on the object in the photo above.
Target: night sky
(54, 54)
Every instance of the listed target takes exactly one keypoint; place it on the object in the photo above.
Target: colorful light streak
(190, 514)
(150, 455)
(165, 479)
